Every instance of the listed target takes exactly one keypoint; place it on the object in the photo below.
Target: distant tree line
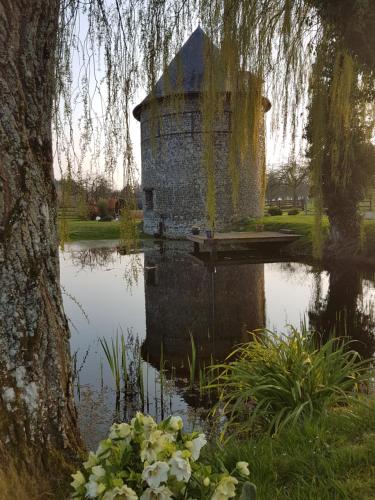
(92, 190)
(289, 181)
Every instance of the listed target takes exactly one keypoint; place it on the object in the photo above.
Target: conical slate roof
(186, 70)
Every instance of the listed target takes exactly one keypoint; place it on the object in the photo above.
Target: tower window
(151, 275)
(149, 199)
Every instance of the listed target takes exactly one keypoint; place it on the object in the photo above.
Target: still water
(163, 296)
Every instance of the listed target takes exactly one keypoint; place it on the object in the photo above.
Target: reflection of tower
(216, 305)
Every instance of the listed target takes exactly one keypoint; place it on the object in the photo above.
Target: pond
(162, 297)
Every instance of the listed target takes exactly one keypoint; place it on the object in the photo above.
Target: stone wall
(173, 171)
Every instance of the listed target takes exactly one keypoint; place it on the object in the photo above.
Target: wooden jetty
(233, 240)
(225, 259)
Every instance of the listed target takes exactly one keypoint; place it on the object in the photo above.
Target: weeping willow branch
(272, 47)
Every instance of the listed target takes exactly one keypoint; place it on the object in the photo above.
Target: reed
(114, 356)
(192, 363)
(124, 362)
(141, 389)
(161, 375)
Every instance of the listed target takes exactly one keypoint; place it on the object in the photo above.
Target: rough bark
(36, 403)
(344, 240)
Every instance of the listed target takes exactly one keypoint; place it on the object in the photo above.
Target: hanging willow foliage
(273, 47)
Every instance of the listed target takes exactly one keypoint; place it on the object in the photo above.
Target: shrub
(106, 218)
(275, 211)
(293, 211)
(102, 207)
(149, 461)
(277, 379)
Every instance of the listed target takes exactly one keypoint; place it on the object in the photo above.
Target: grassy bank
(78, 229)
(92, 230)
(304, 225)
(333, 458)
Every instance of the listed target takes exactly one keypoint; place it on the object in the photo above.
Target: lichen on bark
(36, 404)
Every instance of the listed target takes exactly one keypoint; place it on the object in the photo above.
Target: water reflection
(217, 305)
(163, 295)
(93, 258)
(346, 310)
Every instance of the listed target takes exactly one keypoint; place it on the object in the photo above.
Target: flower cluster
(148, 461)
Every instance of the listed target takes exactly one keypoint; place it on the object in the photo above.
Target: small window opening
(149, 199)
(151, 279)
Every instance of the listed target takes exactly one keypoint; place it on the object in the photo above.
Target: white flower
(104, 448)
(123, 493)
(151, 447)
(97, 472)
(243, 468)
(195, 446)
(78, 480)
(180, 468)
(94, 489)
(162, 493)
(147, 423)
(175, 424)
(225, 489)
(120, 431)
(155, 474)
(91, 461)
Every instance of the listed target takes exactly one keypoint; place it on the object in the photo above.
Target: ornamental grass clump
(153, 461)
(275, 379)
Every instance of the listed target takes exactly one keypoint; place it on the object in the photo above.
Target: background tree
(97, 187)
(342, 155)
(293, 175)
(274, 189)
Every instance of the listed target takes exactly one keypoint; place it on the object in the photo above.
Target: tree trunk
(295, 196)
(344, 239)
(37, 412)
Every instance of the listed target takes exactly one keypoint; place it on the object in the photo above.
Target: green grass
(303, 225)
(94, 230)
(330, 458)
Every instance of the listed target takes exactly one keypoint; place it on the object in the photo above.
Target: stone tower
(174, 180)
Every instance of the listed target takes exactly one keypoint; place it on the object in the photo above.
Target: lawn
(327, 459)
(79, 229)
(92, 230)
(303, 225)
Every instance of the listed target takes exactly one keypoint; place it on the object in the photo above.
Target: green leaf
(249, 491)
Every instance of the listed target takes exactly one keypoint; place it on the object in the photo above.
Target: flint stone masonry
(174, 179)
